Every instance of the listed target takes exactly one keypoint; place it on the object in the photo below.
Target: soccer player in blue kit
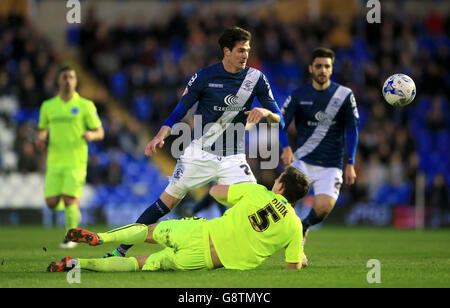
(326, 118)
(224, 92)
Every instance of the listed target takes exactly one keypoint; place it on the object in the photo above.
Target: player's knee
(141, 261)
(149, 238)
(324, 205)
(52, 202)
(68, 200)
(168, 200)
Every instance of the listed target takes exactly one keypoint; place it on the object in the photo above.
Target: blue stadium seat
(177, 48)
(394, 195)
(363, 116)
(73, 35)
(119, 83)
(360, 51)
(443, 143)
(104, 159)
(142, 108)
(424, 141)
(24, 115)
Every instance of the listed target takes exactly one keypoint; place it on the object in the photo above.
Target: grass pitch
(338, 257)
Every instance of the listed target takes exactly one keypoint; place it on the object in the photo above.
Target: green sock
(113, 264)
(72, 216)
(130, 234)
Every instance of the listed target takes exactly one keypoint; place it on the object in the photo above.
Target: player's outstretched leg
(64, 265)
(83, 236)
(116, 264)
(130, 234)
(72, 217)
(148, 217)
(323, 205)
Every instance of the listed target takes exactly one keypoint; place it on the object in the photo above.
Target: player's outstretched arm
(287, 156)
(157, 141)
(351, 140)
(350, 174)
(220, 193)
(257, 113)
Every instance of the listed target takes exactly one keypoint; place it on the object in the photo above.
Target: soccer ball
(399, 90)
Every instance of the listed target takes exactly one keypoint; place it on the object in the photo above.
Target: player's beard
(320, 79)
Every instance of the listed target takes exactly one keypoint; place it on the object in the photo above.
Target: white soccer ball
(399, 90)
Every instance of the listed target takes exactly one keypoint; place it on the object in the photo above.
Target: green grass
(337, 258)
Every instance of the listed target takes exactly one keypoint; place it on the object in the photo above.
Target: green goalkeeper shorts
(64, 181)
(187, 246)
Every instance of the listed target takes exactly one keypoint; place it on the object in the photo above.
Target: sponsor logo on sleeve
(192, 80)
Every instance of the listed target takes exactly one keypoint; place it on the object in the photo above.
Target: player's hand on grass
(151, 146)
(287, 156)
(350, 175)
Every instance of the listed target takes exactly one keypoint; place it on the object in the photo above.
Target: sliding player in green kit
(259, 223)
(70, 122)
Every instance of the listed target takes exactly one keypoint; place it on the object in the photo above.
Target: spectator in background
(28, 158)
(359, 191)
(29, 94)
(376, 174)
(412, 167)
(114, 126)
(4, 83)
(435, 120)
(95, 174)
(437, 199)
(396, 169)
(114, 174)
(129, 139)
(403, 143)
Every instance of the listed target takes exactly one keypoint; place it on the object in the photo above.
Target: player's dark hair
(63, 68)
(232, 35)
(322, 52)
(296, 185)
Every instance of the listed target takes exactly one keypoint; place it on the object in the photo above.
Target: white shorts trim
(323, 180)
(196, 168)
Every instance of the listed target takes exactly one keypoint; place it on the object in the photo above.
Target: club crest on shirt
(74, 110)
(247, 85)
(178, 173)
(335, 102)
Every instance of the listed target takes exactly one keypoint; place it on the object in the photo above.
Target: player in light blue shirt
(326, 119)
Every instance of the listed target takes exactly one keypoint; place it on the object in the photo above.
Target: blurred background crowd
(146, 66)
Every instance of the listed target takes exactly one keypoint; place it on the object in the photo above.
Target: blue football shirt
(223, 98)
(321, 118)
